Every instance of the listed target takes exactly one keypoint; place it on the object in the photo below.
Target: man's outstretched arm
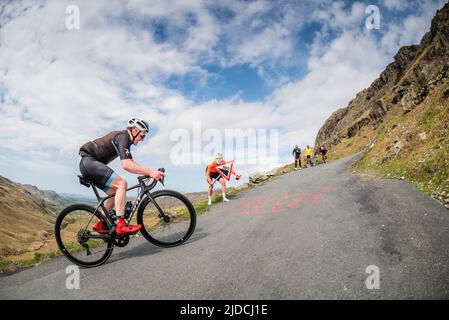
(133, 167)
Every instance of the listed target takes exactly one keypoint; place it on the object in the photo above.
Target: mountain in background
(27, 223)
(57, 201)
(401, 122)
(28, 215)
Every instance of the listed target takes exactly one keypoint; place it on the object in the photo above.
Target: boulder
(258, 177)
(378, 110)
(272, 172)
(407, 101)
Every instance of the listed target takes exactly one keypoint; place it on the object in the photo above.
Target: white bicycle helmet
(140, 124)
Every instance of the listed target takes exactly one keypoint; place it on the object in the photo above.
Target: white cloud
(61, 88)
(396, 5)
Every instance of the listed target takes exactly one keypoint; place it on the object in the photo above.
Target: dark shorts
(215, 175)
(309, 157)
(99, 173)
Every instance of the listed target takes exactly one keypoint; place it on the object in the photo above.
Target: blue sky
(284, 65)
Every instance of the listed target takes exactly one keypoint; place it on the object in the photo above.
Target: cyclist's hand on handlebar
(156, 175)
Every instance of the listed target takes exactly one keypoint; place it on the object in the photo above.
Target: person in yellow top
(309, 154)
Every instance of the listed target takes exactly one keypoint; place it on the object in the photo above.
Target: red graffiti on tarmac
(274, 204)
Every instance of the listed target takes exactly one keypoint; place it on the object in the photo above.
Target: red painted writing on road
(274, 204)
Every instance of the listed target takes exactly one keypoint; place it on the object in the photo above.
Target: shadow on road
(197, 236)
(146, 248)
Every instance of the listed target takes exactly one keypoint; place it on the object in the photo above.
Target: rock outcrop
(405, 82)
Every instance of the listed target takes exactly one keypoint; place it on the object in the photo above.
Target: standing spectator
(297, 155)
(212, 175)
(323, 152)
(309, 155)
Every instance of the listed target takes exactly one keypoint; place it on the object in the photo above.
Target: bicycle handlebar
(161, 180)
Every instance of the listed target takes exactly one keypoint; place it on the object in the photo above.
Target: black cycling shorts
(97, 172)
(215, 175)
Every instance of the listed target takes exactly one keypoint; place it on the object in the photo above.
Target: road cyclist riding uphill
(87, 235)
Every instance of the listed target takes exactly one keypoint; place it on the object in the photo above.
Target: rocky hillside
(402, 120)
(28, 215)
(26, 222)
(50, 198)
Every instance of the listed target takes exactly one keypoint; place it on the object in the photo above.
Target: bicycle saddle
(84, 181)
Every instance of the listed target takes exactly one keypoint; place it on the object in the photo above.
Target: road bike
(167, 217)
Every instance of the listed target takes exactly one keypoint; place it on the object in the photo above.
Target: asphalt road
(309, 234)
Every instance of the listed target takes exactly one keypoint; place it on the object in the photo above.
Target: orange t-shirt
(213, 166)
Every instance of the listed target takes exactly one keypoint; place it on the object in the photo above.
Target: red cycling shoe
(123, 229)
(99, 227)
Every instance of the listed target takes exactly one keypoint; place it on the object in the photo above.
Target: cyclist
(323, 152)
(309, 155)
(212, 175)
(297, 155)
(97, 154)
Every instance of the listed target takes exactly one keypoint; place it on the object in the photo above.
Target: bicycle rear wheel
(78, 241)
(170, 226)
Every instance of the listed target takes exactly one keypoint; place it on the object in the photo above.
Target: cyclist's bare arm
(133, 167)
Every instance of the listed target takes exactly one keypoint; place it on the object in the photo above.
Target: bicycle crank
(122, 241)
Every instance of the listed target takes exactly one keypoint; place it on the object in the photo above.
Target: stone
(407, 102)
(398, 147)
(272, 172)
(257, 177)
(422, 136)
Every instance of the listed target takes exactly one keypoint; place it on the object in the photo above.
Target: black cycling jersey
(108, 147)
(296, 152)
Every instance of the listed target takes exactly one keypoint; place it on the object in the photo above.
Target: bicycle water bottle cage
(84, 181)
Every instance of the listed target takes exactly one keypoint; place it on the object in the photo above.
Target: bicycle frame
(144, 190)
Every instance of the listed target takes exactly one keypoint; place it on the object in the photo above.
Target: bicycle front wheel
(168, 221)
(78, 241)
